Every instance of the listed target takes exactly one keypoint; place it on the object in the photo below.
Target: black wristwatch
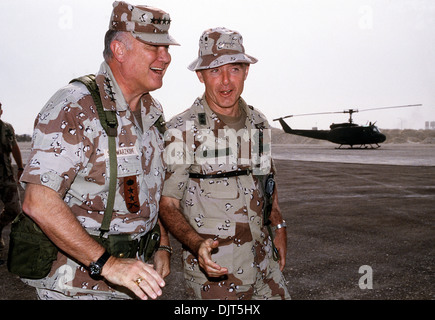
(96, 267)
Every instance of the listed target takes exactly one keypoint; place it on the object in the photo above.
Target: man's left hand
(162, 263)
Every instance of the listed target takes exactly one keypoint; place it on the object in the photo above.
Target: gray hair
(114, 35)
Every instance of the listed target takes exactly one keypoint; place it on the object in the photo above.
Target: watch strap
(96, 267)
(283, 224)
(103, 259)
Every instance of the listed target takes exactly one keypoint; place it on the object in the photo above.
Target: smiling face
(147, 64)
(139, 67)
(223, 86)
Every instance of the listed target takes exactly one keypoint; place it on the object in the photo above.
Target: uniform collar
(253, 117)
(110, 92)
(113, 98)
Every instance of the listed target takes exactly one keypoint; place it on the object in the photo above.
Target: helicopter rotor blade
(280, 118)
(393, 107)
(289, 116)
(306, 114)
(350, 111)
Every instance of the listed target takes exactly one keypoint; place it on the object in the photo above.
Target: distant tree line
(23, 137)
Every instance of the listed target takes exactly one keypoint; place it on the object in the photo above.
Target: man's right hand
(173, 219)
(204, 258)
(126, 272)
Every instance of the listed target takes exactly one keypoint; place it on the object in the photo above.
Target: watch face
(94, 269)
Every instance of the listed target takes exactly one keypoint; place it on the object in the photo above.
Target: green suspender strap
(110, 125)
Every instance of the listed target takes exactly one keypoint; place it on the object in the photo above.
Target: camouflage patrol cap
(220, 46)
(147, 24)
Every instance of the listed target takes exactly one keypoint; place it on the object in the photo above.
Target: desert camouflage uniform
(70, 156)
(226, 209)
(8, 186)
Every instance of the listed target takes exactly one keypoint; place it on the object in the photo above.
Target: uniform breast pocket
(222, 188)
(129, 169)
(220, 228)
(128, 162)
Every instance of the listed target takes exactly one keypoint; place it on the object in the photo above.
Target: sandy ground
(356, 230)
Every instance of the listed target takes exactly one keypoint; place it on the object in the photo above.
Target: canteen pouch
(150, 243)
(31, 253)
(121, 246)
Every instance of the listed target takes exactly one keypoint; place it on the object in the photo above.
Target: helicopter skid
(361, 147)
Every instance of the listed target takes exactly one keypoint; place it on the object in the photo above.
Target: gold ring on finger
(138, 281)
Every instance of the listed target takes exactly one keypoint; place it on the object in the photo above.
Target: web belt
(228, 174)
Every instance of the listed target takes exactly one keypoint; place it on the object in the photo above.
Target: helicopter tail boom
(316, 134)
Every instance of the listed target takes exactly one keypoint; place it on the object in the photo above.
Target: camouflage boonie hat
(220, 46)
(147, 24)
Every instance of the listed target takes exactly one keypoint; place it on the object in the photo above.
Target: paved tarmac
(394, 154)
(361, 225)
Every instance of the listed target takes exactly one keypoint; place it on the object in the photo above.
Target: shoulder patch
(202, 118)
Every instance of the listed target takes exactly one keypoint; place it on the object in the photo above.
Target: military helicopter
(348, 133)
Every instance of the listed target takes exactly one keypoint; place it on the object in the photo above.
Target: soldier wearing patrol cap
(216, 193)
(68, 173)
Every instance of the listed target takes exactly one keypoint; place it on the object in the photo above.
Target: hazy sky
(314, 56)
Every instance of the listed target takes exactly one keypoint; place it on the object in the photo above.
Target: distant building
(429, 125)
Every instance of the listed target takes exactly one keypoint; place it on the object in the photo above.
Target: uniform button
(121, 255)
(45, 178)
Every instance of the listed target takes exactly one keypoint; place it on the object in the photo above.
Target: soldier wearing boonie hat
(146, 24)
(213, 200)
(220, 46)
